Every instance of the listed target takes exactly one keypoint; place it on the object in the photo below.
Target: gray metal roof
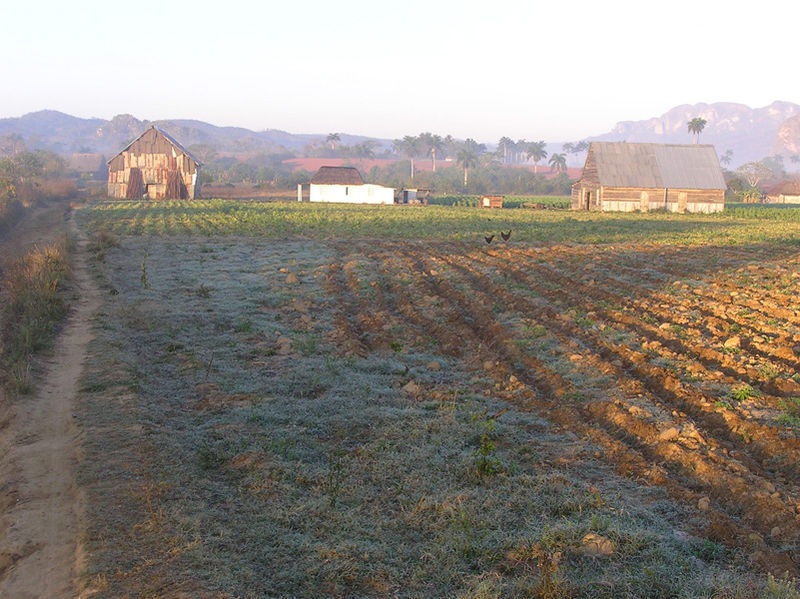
(622, 164)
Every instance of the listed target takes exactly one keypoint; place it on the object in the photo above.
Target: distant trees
(536, 152)
(575, 148)
(726, 158)
(408, 146)
(468, 155)
(504, 146)
(11, 144)
(754, 172)
(333, 139)
(696, 126)
(432, 145)
(558, 162)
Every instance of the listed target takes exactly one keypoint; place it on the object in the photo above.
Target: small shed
(785, 192)
(414, 196)
(625, 177)
(346, 185)
(154, 166)
(491, 202)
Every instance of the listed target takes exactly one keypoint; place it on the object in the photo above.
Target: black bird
(505, 236)
(489, 238)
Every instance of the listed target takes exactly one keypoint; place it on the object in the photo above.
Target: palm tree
(432, 144)
(365, 149)
(558, 162)
(519, 149)
(726, 157)
(504, 145)
(468, 158)
(333, 139)
(408, 146)
(695, 126)
(537, 152)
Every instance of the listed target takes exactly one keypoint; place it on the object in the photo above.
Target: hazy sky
(556, 71)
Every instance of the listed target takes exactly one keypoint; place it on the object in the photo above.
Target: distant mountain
(65, 134)
(787, 141)
(750, 133)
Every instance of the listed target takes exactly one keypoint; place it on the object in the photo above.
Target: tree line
(28, 177)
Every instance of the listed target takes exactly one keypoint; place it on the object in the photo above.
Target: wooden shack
(626, 177)
(153, 166)
(491, 202)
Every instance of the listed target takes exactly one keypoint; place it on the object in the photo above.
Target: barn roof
(337, 175)
(168, 137)
(786, 188)
(677, 166)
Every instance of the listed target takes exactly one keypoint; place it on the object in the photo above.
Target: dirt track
(42, 512)
(631, 354)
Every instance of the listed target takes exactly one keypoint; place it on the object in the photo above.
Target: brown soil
(659, 414)
(41, 516)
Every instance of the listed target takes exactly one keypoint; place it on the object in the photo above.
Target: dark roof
(677, 166)
(166, 136)
(337, 175)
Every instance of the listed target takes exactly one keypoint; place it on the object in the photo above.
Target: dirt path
(40, 529)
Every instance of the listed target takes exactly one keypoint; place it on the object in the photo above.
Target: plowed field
(681, 363)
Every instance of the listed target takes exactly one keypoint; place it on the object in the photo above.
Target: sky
(554, 71)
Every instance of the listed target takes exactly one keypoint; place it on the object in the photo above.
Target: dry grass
(33, 304)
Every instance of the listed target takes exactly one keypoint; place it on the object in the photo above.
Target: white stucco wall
(352, 194)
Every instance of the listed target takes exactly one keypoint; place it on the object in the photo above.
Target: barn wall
(631, 199)
(579, 191)
(155, 156)
(697, 200)
(352, 194)
(589, 182)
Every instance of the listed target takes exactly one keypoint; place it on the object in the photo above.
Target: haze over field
(469, 69)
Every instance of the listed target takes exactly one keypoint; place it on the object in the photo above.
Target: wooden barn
(153, 166)
(625, 177)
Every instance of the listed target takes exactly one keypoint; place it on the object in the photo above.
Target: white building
(344, 184)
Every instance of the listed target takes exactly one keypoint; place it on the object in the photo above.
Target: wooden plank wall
(156, 157)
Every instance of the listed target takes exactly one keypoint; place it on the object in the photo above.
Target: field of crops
(287, 400)
(742, 224)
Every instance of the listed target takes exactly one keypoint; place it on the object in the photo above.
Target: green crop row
(304, 220)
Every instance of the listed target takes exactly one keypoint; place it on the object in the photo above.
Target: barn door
(175, 189)
(135, 188)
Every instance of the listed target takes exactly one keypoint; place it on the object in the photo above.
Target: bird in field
(505, 236)
(489, 238)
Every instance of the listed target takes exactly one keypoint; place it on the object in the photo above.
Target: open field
(285, 400)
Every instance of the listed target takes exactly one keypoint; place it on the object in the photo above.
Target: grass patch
(33, 286)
